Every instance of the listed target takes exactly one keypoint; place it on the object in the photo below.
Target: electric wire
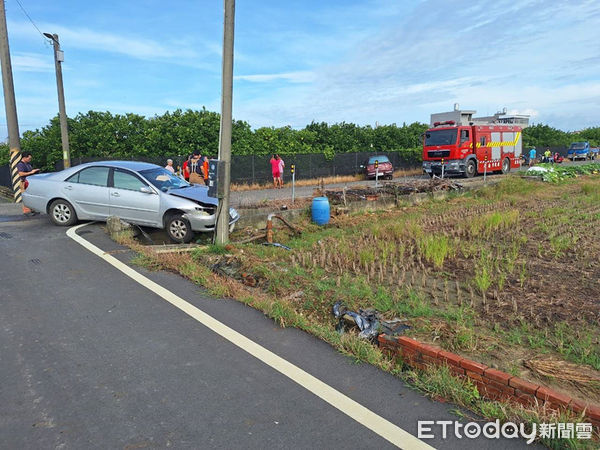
(30, 19)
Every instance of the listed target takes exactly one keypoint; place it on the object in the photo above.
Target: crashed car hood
(196, 193)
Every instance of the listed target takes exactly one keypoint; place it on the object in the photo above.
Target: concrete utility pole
(226, 121)
(14, 142)
(62, 113)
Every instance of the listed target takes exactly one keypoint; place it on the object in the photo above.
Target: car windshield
(577, 146)
(163, 179)
(441, 137)
(381, 159)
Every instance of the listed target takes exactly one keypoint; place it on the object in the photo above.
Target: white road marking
(351, 408)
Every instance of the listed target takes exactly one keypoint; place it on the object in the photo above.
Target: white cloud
(114, 43)
(532, 113)
(144, 48)
(32, 62)
(293, 77)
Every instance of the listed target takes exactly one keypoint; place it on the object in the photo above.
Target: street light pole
(62, 113)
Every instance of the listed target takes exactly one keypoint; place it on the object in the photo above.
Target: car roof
(131, 165)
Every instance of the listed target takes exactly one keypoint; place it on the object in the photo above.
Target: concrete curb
(491, 383)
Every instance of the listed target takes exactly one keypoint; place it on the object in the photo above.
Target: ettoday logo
(429, 429)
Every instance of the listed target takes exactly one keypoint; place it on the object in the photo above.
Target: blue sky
(364, 62)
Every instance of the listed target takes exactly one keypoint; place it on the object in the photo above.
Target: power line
(30, 19)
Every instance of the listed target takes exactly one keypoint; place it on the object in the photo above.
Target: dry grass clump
(563, 371)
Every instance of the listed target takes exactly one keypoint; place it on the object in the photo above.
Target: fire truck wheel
(506, 165)
(471, 168)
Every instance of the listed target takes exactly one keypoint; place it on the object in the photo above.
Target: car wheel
(506, 165)
(179, 229)
(62, 213)
(471, 169)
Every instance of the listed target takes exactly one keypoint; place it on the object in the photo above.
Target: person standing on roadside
(169, 166)
(186, 168)
(195, 166)
(275, 170)
(205, 169)
(532, 156)
(25, 169)
(281, 166)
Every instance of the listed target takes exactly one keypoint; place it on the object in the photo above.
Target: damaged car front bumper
(203, 221)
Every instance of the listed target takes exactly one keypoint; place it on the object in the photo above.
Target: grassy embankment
(506, 275)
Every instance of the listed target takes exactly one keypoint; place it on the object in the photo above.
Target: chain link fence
(250, 169)
(5, 179)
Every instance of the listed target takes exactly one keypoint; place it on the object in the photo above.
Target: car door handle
(115, 194)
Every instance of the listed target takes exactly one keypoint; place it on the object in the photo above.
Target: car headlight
(201, 212)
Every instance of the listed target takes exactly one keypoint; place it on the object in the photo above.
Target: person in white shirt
(169, 166)
(281, 166)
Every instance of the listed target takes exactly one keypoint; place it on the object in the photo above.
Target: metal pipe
(270, 228)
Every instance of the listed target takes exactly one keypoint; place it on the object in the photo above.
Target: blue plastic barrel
(320, 210)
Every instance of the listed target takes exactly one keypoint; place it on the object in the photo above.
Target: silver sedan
(139, 193)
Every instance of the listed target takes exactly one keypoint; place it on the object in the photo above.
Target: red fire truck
(470, 149)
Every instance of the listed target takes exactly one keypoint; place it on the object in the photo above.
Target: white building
(465, 117)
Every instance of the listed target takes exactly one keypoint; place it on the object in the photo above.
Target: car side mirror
(146, 190)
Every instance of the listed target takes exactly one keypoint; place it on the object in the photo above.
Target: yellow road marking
(351, 408)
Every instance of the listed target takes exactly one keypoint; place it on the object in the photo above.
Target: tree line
(176, 134)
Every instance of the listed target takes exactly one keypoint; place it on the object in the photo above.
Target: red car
(385, 168)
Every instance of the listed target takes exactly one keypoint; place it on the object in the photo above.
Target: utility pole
(62, 113)
(226, 121)
(14, 142)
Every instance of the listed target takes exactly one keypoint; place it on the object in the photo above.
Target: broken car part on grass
(369, 322)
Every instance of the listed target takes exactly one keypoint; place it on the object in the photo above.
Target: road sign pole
(293, 169)
(485, 169)
(442, 167)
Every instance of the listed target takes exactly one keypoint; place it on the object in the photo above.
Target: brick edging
(491, 383)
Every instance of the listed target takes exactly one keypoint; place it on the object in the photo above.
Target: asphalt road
(92, 359)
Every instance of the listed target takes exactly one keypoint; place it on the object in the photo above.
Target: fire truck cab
(470, 149)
